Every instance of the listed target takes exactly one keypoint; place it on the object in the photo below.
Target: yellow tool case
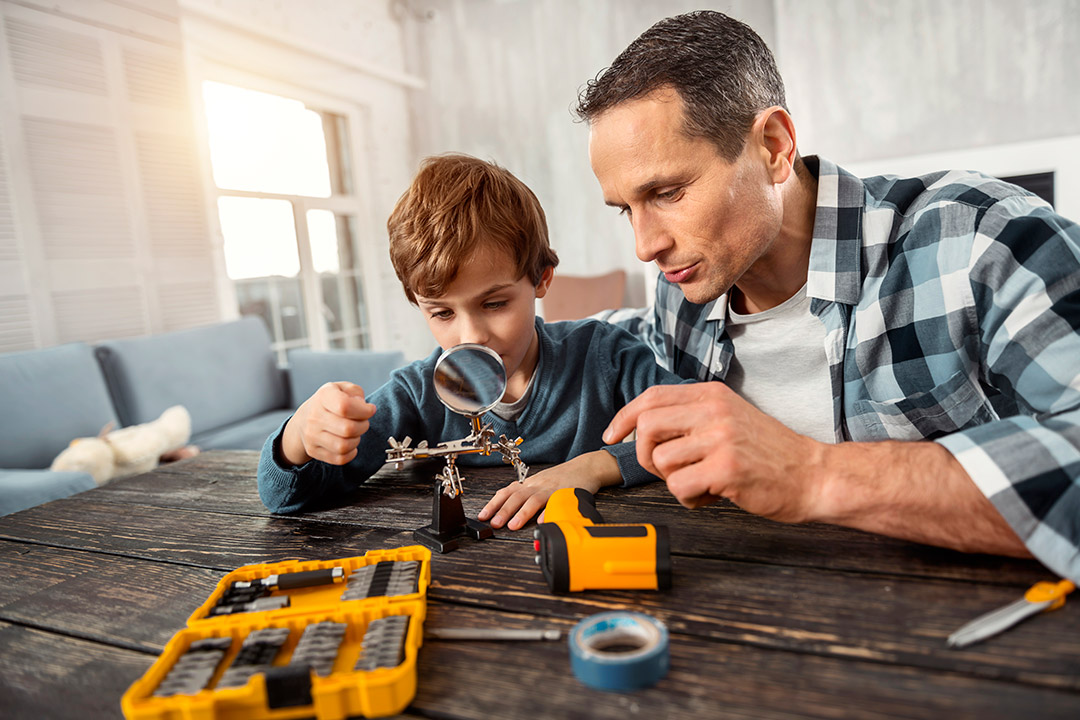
(328, 638)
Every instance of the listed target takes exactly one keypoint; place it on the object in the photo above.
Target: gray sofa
(224, 374)
(48, 397)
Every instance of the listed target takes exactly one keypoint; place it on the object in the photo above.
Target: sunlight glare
(322, 233)
(260, 237)
(265, 143)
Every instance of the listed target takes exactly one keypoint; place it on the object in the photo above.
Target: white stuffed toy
(130, 450)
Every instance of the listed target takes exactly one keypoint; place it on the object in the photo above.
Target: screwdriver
(491, 634)
(291, 581)
(1040, 597)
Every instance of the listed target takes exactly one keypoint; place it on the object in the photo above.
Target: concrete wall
(889, 79)
(865, 78)
(502, 79)
(365, 30)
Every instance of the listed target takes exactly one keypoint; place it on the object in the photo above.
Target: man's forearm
(910, 490)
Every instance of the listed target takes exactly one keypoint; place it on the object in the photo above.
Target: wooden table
(766, 619)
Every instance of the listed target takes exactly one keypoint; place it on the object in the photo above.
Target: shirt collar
(718, 311)
(836, 247)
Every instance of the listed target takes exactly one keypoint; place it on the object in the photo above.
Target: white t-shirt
(780, 365)
(510, 412)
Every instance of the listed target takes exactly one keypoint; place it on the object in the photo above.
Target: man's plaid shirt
(951, 304)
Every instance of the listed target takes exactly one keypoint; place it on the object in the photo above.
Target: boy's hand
(328, 426)
(518, 502)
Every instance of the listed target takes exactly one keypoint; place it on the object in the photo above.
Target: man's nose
(651, 238)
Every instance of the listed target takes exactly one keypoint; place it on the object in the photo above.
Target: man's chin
(699, 293)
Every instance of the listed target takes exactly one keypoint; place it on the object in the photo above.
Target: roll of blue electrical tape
(619, 651)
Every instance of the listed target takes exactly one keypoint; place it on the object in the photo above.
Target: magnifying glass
(470, 379)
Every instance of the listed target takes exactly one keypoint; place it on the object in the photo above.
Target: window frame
(355, 205)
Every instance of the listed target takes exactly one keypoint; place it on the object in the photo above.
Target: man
(882, 311)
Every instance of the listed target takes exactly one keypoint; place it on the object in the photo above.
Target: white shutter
(16, 324)
(9, 247)
(187, 305)
(98, 313)
(119, 243)
(16, 320)
(172, 194)
(178, 234)
(51, 57)
(155, 78)
(79, 190)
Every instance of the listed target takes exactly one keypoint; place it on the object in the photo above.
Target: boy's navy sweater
(586, 371)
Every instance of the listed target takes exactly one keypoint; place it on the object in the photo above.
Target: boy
(469, 243)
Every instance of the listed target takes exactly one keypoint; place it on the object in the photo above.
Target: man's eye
(625, 210)
(669, 194)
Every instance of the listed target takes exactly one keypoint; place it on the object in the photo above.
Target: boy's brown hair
(455, 204)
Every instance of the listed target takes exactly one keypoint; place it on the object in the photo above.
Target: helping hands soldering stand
(469, 380)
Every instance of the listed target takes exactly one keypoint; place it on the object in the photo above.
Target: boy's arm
(288, 488)
(631, 474)
(285, 488)
(632, 369)
(516, 503)
(327, 426)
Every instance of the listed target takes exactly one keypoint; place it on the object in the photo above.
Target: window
(283, 175)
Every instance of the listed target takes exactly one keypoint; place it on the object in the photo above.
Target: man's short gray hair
(720, 67)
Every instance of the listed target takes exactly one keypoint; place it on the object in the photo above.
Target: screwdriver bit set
(326, 639)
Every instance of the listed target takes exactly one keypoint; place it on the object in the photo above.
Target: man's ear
(545, 281)
(775, 131)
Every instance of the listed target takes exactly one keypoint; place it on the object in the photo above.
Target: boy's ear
(545, 282)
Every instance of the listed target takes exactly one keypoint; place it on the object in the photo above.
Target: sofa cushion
(310, 369)
(222, 374)
(49, 397)
(247, 434)
(21, 489)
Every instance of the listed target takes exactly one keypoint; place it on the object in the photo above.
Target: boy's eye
(441, 314)
(494, 304)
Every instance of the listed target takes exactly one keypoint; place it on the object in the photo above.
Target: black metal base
(449, 524)
(447, 542)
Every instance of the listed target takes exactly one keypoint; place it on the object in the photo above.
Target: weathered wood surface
(113, 599)
(225, 482)
(45, 674)
(50, 676)
(767, 620)
(708, 679)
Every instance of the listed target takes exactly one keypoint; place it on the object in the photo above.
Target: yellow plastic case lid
(309, 599)
(336, 650)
